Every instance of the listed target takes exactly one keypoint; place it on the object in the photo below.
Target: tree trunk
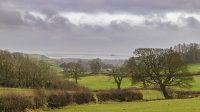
(76, 79)
(164, 91)
(144, 84)
(119, 86)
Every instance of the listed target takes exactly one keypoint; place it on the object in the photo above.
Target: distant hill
(106, 61)
(68, 60)
(114, 61)
(39, 56)
(35, 56)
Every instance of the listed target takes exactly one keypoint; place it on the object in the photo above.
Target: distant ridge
(106, 61)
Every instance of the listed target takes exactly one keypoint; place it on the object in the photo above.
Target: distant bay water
(89, 55)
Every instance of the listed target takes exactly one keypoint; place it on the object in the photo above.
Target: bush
(15, 103)
(61, 84)
(184, 94)
(82, 97)
(39, 98)
(19, 102)
(104, 96)
(58, 99)
(119, 95)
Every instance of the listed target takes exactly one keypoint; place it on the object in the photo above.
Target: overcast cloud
(96, 26)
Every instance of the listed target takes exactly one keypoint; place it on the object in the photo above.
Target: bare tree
(118, 74)
(74, 70)
(95, 65)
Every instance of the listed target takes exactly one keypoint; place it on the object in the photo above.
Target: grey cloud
(135, 6)
(192, 22)
(61, 35)
(94, 39)
(10, 17)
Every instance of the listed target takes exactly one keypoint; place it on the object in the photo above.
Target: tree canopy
(163, 67)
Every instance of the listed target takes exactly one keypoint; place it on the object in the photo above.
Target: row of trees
(189, 52)
(93, 66)
(18, 70)
(76, 69)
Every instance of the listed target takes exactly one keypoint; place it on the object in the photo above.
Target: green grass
(186, 105)
(195, 85)
(152, 94)
(102, 82)
(106, 82)
(193, 68)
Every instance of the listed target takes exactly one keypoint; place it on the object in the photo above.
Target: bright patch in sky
(102, 19)
(38, 15)
(105, 19)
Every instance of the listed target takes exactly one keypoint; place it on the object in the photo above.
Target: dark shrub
(14, 103)
(58, 99)
(39, 98)
(126, 95)
(103, 96)
(184, 94)
(82, 97)
(119, 95)
(66, 85)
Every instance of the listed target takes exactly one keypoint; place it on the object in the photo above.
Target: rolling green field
(106, 82)
(193, 68)
(183, 105)
(101, 82)
(195, 85)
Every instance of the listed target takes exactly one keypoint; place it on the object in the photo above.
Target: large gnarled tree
(162, 67)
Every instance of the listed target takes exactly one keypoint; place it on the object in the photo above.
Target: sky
(96, 27)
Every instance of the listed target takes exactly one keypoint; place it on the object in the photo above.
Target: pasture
(193, 68)
(101, 82)
(106, 82)
(182, 105)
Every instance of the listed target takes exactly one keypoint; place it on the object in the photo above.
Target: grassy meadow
(102, 82)
(183, 105)
(106, 82)
(193, 68)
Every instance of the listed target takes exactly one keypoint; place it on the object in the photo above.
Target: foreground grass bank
(182, 105)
